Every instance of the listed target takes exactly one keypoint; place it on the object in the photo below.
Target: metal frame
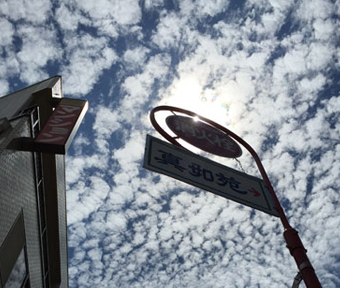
(40, 196)
(293, 241)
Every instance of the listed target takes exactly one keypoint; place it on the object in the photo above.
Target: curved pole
(264, 175)
(294, 243)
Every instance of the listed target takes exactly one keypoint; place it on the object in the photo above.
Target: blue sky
(268, 70)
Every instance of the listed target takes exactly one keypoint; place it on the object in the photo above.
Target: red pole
(294, 243)
(291, 236)
(297, 250)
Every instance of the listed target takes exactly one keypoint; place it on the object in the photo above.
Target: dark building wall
(18, 186)
(61, 184)
(18, 193)
(54, 171)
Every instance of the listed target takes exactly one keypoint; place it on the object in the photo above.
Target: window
(17, 278)
(13, 260)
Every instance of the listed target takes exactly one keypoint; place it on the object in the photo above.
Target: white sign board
(196, 170)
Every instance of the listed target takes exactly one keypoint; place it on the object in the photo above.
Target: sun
(188, 93)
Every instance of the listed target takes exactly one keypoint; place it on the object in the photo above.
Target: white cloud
(35, 11)
(323, 29)
(9, 66)
(152, 4)
(68, 19)
(131, 227)
(39, 46)
(90, 198)
(136, 57)
(88, 57)
(7, 34)
(106, 121)
(309, 10)
(4, 87)
(127, 12)
(131, 152)
(294, 62)
(29, 60)
(168, 32)
(79, 143)
(319, 56)
(116, 221)
(79, 165)
(202, 8)
(308, 88)
(110, 16)
(137, 89)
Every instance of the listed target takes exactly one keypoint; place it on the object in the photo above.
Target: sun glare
(188, 93)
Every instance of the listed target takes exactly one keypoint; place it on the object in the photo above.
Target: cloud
(319, 9)
(203, 9)
(32, 62)
(69, 18)
(6, 37)
(90, 197)
(268, 71)
(28, 10)
(126, 13)
(27, 51)
(135, 58)
(168, 32)
(89, 56)
(106, 122)
(4, 87)
(323, 29)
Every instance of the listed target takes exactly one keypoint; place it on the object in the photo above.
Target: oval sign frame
(203, 136)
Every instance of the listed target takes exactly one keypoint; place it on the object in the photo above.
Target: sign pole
(291, 236)
(293, 241)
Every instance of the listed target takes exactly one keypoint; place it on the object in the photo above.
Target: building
(33, 228)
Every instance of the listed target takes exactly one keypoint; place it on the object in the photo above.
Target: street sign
(60, 129)
(206, 174)
(203, 136)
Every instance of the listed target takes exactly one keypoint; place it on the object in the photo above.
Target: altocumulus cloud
(269, 70)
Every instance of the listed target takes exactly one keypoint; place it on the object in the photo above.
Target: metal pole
(297, 280)
(294, 243)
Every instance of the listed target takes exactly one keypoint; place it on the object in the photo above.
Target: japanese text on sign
(196, 170)
(193, 169)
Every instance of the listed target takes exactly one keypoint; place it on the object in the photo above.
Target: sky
(266, 70)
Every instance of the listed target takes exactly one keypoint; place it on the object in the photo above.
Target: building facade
(33, 228)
